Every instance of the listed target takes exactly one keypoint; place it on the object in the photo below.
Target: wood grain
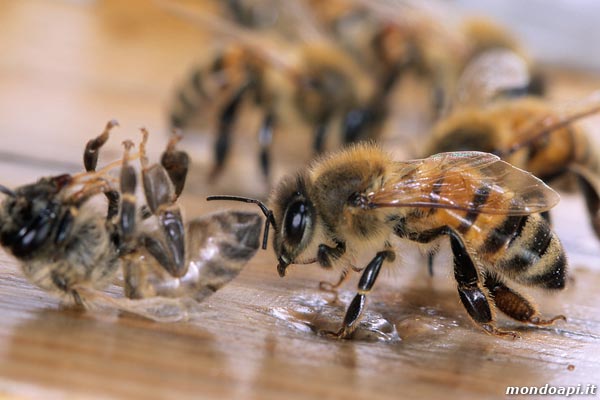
(68, 67)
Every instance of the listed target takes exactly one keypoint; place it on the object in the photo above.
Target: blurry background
(69, 66)
(558, 32)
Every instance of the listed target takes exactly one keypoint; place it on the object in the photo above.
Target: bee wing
(270, 48)
(556, 118)
(469, 181)
(489, 75)
(432, 18)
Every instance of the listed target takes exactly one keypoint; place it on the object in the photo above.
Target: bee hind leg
(357, 306)
(473, 297)
(169, 247)
(515, 305)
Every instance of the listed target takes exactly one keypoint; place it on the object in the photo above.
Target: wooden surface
(69, 66)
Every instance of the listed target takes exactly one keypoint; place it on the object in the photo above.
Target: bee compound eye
(296, 219)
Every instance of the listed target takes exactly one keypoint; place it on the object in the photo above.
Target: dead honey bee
(314, 79)
(359, 199)
(68, 247)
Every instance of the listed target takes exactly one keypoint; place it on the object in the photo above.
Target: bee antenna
(266, 211)
(7, 191)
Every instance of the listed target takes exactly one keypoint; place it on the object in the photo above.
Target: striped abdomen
(522, 248)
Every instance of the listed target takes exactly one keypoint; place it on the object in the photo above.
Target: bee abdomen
(534, 256)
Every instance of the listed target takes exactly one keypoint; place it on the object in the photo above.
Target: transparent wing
(489, 75)
(469, 181)
(556, 118)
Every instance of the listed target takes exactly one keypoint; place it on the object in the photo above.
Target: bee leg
(592, 198)
(176, 163)
(226, 121)
(365, 284)
(431, 258)
(135, 283)
(515, 305)
(128, 183)
(363, 123)
(265, 138)
(90, 161)
(472, 295)
(354, 124)
(320, 135)
(332, 287)
(92, 148)
(326, 254)
(168, 250)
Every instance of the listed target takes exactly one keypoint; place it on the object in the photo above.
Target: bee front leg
(325, 256)
(333, 287)
(357, 306)
(473, 297)
(515, 305)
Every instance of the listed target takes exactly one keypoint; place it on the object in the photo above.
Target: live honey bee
(529, 132)
(314, 79)
(70, 248)
(359, 200)
(425, 38)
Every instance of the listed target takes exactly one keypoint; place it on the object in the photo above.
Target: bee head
(28, 214)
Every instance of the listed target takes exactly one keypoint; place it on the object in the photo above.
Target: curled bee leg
(90, 161)
(357, 306)
(515, 305)
(168, 248)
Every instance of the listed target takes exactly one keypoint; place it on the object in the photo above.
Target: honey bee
(359, 200)
(315, 79)
(70, 248)
(425, 38)
(527, 131)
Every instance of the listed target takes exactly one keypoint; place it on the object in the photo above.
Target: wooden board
(68, 67)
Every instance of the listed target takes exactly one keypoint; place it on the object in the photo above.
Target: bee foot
(341, 334)
(492, 330)
(543, 322)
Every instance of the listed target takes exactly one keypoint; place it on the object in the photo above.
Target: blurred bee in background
(314, 78)
(359, 200)
(423, 37)
(68, 247)
(491, 114)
